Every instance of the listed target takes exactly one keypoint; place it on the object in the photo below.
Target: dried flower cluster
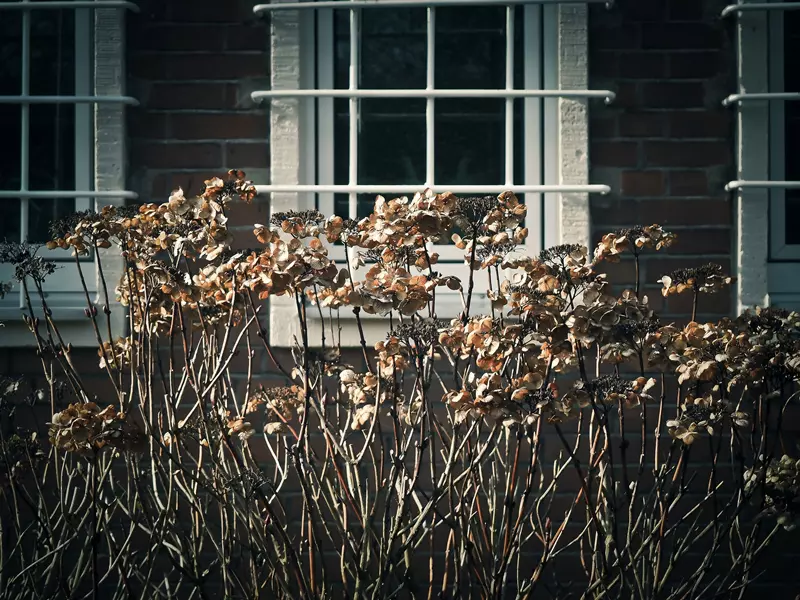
(85, 428)
(442, 429)
(781, 484)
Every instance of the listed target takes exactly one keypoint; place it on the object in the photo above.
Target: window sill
(73, 325)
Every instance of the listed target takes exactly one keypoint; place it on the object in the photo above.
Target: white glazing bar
(412, 189)
(84, 135)
(353, 113)
(509, 137)
(25, 117)
(607, 95)
(531, 28)
(124, 194)
(29, 6)
(740, 184)
(429, 103)
(325, 114)
(740, 8)
(26, 98)
(788, 96)
(350, 4)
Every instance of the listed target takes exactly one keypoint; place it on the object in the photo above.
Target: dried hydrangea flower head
(708, 278)
(85, 428)
(613, 390)
(703, 415)
(26, 261)
(781, 485)
(633, 239)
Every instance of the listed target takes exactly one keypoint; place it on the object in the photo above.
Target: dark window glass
(791, 76)
(51, 127)
(469, 132)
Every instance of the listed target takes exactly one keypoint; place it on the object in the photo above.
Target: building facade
(648, 111)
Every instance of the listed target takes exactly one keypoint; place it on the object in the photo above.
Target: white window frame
(562, 183)
(99, 100)
(767, 268)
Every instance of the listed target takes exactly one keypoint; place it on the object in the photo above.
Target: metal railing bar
(741, 184)
(607, 95)
(26, 99)
(350, 4)
(411, 189)
(740, 8)
(734, 98)
(124, 194)
(28, 6)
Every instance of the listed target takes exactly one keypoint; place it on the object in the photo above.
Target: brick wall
(665, 146)
(193, 65)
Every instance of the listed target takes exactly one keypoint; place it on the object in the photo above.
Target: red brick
(147, 125)
(687, 154)
(247, 37)
(645, 10)
(177, 156)
(668, 212)
(214, 66)
(210, 12)
(641, 65)
(245, 215)
(694, 65)
(614, 154)
(602, 127)
(702, 241)
(700, 124)
(717, 304)
(187, 95)
(615, 38)
(686, 10)
(244, 155)
(627, 94)
(218, 126)
(688, 183)
(192, 183)
(670, 94)
(686, 213)
(683, 36)
(605, 64)
(642, 125)
(181, 36)
(643, 183)
(658, 265)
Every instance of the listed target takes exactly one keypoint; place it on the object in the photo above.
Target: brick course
(666, 145)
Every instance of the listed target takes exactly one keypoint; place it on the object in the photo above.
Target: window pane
(470, 137)
(10, 85)
(469, 133)
(792, 122)
(42, 212)
(9, 219)
(10, 132)
(393, 48)
(470, 47)
(52, 147)
(52, 65)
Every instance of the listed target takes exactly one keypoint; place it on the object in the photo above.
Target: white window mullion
(532, 50)
(509, 133)
(430, 107)
(25, 122)
(84, 134)
(353, 112)
(326, 116)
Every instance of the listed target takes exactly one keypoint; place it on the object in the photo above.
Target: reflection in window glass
(469, 132)
(791, 76)
(51, 131)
